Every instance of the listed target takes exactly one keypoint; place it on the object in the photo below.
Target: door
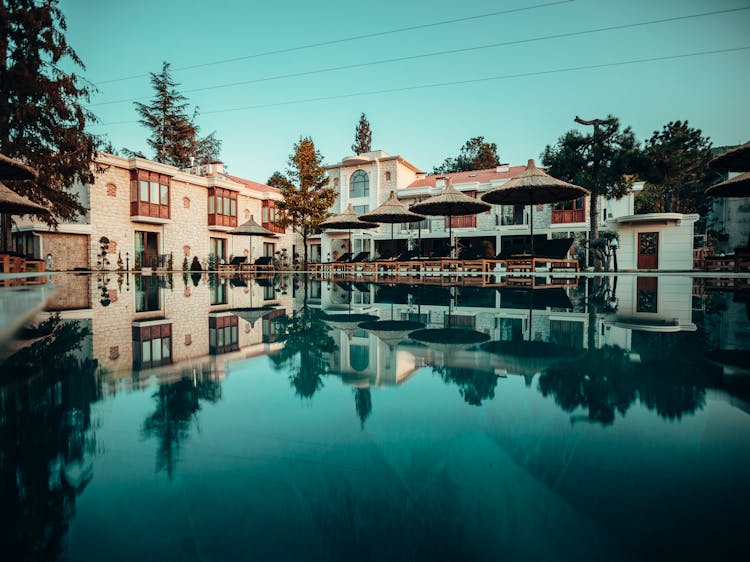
(147, 248)
(648, 250)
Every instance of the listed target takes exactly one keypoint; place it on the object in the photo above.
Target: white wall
(675, 243)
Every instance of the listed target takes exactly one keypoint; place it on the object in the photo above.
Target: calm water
(195, 418)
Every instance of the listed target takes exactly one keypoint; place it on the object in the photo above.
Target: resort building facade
(658, 240)
(143, 214)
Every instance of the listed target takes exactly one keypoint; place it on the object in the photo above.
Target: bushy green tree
(362, 136)
(174, 135)
(604, 162)
(675, 167)
(306, 195)
(476, 154)
(43, 118)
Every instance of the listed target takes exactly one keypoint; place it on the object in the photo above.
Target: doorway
(648, 250)
(146, 248)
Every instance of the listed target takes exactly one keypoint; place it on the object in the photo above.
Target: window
(147, 294)
(149, 194)
(219, 249)
(269, 248)
(269, 216)
(222, 207)
(387, 176)
(152, 346)
(219, 293)
(223, 334)
(361, 209)
(359, 185)
(335, 183)
(569, 211)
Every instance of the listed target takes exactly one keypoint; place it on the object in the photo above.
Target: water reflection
(595, 350)
(177, 404)
(46, 437)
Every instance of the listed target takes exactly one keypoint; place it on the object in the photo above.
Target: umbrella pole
(393, 242)
(532, 230)
(419, 245)
(450, 236)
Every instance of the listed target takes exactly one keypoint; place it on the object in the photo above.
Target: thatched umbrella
(735, 160)
(532, 187)
(14, 204)
(252, 314)
(449, 339)
(392, 211)
(251, 228)
(450, 203)
(391, 332)
(347, 322)
(11, 169)
(348, 220)
(738, 186)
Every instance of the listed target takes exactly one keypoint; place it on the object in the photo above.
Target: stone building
(142, 212)
(366, 181)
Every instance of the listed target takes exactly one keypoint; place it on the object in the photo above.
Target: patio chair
(235, 265)
(356, 261)
(327, 266)
(264, 263)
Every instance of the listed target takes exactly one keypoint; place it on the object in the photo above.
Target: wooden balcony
(273, 227)
(568, 216)
(466, 221)
(143, 211)
(215, 219)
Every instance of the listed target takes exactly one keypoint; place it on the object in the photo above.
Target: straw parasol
(532, 187)
(11, 169)
(252, 314)
(391, 332)
(450, 203)
(738, 186)
(348, 220)
(735, 160)
(449, 339)
(392, 211)
(14, 204)
(251, 228)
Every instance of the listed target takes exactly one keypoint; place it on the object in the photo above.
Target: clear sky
(520, 114)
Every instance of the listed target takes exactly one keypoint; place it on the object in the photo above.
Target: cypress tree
(362, 136)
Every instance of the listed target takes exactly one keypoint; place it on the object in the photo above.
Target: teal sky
(522, 114)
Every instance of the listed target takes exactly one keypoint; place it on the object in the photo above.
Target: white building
(366, 181)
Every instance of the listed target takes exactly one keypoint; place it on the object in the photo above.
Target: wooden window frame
(222, 207)
(158, 188)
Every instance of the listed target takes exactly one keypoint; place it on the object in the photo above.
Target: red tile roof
(479, 176)
(254, 185)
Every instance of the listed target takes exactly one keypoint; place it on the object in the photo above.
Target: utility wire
(347, 39)
(438, 53)
(461, 82)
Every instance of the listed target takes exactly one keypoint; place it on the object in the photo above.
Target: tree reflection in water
(668, 379)
(475, 385)
(363, 404)
(46, 440)
(307, 341)
(177, 405)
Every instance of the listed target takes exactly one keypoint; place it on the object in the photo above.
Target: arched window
(359, 185)
(387, 176)
(336, 183)
(359, 357)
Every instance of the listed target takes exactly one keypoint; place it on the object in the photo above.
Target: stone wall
(68, 250)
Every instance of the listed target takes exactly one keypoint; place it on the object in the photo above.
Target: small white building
(661, 241)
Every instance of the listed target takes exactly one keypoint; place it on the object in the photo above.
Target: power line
(347, 39)
(439, 53)
(462, 82)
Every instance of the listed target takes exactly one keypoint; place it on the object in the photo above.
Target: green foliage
(174, 134)
(362, 136)
(307, 341)
(307, 196)
(185, 264)
(170, 262)
(675, 165)
(43, 118)
(212, 262)
(604, 162)
(277, 180)
(476, 154)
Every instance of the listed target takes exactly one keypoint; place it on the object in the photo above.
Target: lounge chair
(235, 265)
(264, 263)
(327, 266)
(553, 253)
(356, 262)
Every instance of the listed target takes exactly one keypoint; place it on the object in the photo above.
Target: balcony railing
(273, 227)
(567, 216)
(469, 221)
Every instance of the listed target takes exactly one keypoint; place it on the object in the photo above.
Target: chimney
(421, 175)
(502, 168)
(217, 167)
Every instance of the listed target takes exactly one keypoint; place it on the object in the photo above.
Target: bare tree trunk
(593, 229)
(304, 243)
(6, 224)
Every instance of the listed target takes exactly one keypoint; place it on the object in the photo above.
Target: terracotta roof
(480, 176)
(253, 185)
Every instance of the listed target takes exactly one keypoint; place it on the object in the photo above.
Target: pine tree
(604, 162)
(174, 134)
(278, 180)
(476, 154)
(306, 194)
(675, 167)
(42, 115)
(362, 136)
